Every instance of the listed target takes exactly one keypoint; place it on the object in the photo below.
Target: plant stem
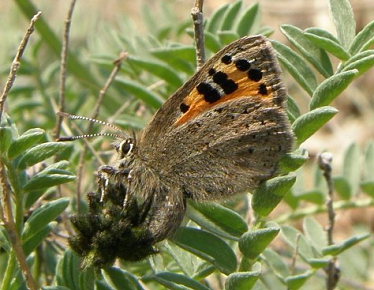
(333, 272)
(198, 21)
(8, 220)
(8, 275)
(312, 210)
(17, 63)
(64, 56)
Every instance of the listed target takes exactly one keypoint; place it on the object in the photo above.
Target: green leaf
(297, 240)
(208, 247)
(332, 87)
(328, 45)
(345, 24)
(254, 242)
(5, 243)
(249, 20)
(362, 62)
(214, 23)
(160, 70)
(362, 38)
(242, 280)
(352, 167)
(175, 281)
(133, 122)
(292, 109)
(227, 37)
(369, 162)
(322, 33)
(211, 42)
(42, 216)
(368, 187)
(102, 285)
(41, 181)
(121, 279)
(316, 56)
(35, 240)
(6, 137)
(342, 187)
(181, 58)
(41, 152)
(203, 271)
(25, 141)
(55, 288)
(266, 31)
(230, 15)
(318, 263)
(68, 270)
(276, 262)
(314, 196)
(315, 233)
(87, 279)
(337, 249)
(270, 193)
(69, 273)
(150, 98)
(294, 160)
(213, 215)
(296, 66)
(306, 125)
(297, 281)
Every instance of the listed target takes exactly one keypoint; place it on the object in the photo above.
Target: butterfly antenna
(103, 123)
(85, 136)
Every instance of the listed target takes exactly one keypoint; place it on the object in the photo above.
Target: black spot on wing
(226, 59)
(210, 94)
(255, 74)
(219, 77)
(242, 64)
(211, 71)
(184, 108)
(262, 89)
(227, 85)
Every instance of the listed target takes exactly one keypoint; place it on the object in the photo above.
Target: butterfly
(222, 133)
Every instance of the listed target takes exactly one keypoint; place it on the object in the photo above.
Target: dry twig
(64, 56)
(8, 220)
(198, 21)
(17, 62)
(332, 270)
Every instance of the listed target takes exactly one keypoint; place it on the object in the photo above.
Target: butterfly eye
(125, 148)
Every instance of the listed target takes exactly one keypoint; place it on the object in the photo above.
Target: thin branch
(295, 254)
(117, 67)
(64, 56)
(198, 22)
(313, 210)
(333, 272)
(17, 62)
(8, 219)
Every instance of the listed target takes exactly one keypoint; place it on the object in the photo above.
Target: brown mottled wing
(225, 130)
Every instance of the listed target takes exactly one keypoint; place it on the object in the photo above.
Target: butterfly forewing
(225, 130)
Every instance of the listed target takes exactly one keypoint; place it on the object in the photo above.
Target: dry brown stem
(17, 62)
(198, 21)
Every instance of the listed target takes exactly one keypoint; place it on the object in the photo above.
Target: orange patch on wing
(246, 87)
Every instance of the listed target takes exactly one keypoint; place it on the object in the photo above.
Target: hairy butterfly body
(222, 133)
